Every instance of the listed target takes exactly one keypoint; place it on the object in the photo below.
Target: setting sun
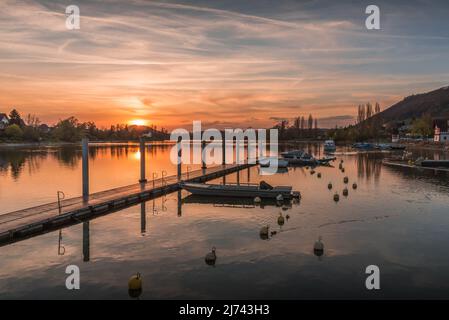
(138, 122)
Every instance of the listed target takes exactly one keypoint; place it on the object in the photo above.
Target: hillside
(436, 103)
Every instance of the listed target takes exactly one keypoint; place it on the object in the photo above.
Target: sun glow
(138, 122)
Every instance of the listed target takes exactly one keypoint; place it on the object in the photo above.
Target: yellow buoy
(281, 220)
(312, 172)
(264, 232)
(336, 197)
(135, 286)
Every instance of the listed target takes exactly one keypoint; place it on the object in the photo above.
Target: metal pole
(179, 204)
(85, 165)
(143, 218)
(179, 157)
(86, 241)
(203, 160)
(142, 161)
(223, 162)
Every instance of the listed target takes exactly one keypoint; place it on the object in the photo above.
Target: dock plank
(24, 223)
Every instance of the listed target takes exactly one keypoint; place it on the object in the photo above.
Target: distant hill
(435, 103)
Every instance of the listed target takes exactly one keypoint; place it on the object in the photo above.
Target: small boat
(304, 160)
(363, 145)
(329, 146)
(292, 154)
(265, 162)
(262, 190)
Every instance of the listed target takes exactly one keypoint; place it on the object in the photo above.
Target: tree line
(301, 128)
(31, 129)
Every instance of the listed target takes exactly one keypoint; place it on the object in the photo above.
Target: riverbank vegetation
(31, 129)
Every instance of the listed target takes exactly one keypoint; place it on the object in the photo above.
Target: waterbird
(287, 216)
(354, 185)
(329, 186)
(342, 169)
(318, 174)
(345, 179)
(211, 257)
(345, 192)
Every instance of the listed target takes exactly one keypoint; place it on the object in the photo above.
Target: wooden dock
(413, 166)
(22, 224)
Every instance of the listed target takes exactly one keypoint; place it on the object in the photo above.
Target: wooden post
(86, 241)
(85, 168)
(142, 161)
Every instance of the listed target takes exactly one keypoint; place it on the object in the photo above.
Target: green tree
(13, 131)
(422, 126)
(68, 130)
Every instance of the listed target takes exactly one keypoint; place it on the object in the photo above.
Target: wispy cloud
(171, 61)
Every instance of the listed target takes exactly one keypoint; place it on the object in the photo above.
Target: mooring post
(142, 161)
(143, 218)
(86, 241)
(179, 157)
(179, 204)
(203, 156)
(85, 165)
(223, 151)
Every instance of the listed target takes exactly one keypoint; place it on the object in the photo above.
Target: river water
(396, 219)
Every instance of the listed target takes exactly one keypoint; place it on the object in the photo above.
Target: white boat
(329, 145)
(265, 162)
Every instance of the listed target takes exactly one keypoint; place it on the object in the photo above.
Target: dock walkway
(26, 223)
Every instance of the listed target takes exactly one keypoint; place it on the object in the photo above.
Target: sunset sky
(227, 63)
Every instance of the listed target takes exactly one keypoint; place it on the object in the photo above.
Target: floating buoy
(135, 286)
(279, 197)
(318, 174)
(318, 247)
(341, 161)
(264, 232)
(312, 172)
(345, 179)
(336, 197)
(342, 169)
(354, 185)
(287, 217)
(211, 257)
(257, 200)
(345, 192)
(281, 220)
(329, 186)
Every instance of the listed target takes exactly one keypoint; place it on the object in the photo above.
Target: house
(441, 136)
(4, 121)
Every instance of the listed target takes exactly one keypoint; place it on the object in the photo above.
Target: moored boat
(262, 190)
(329, 146)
